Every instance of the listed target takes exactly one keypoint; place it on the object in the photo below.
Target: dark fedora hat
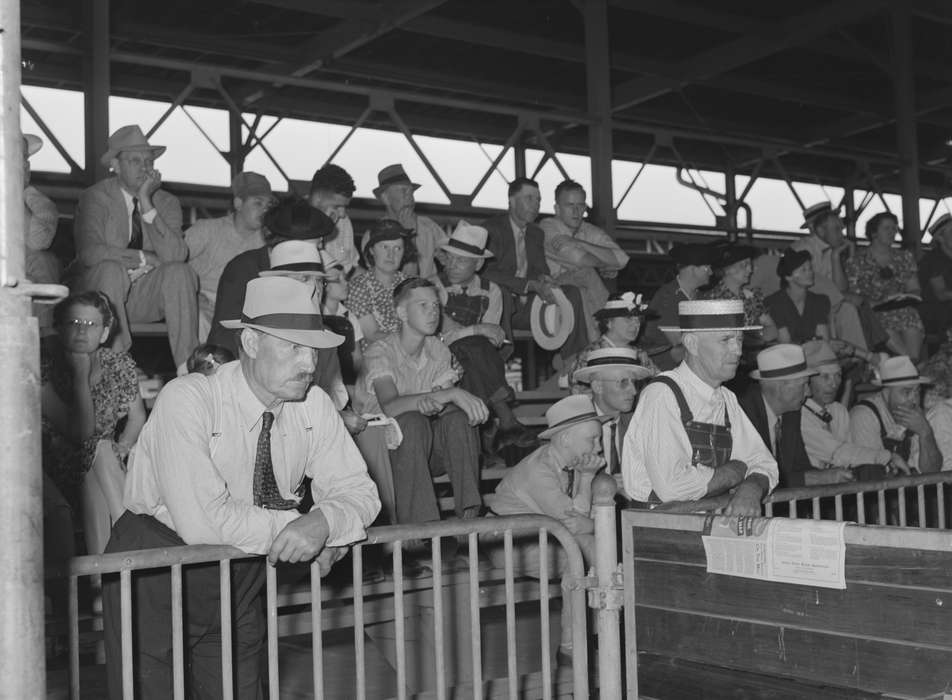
(293, 218)
(393, 175)
(734, 253)
(791, 260)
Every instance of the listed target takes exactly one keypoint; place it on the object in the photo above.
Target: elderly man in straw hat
(825, 426)
(689, 436)
(220, 461)
(893, 418)
(129, 245)
(773, 406)
(556, 480)
(472, 312)
(611, 375)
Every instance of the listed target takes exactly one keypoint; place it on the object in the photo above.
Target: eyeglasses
(81, 323)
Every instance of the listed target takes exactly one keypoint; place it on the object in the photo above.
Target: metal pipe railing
(178, 559)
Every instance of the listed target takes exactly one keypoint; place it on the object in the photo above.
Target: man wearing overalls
(689, 439)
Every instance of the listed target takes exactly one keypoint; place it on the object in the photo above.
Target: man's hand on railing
(748, 496)
(897, 464)
(329, 557)
(822, 477)
(301, 539)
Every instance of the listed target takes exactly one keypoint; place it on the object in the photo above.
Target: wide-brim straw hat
(611, 358)
(815, 211)
(570, 411)
(552, 324)
(711, 315)
(898, 371)
(284, 308)
(129, 138)
(782, 361)
(821, 356)
(297, 257)
(468, 241)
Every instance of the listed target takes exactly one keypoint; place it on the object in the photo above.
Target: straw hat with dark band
(570, 411)
(711, 315)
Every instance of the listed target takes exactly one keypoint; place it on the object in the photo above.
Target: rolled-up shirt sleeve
(340, 485)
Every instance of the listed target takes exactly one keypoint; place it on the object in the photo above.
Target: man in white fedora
(129, 245)
(825, 426)
(612, 376)
(220, 461)
(689, 436)
(556, 480)
(773, 406)
(893, 418)
(472, 311)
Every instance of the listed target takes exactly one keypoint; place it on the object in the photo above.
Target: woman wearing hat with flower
(894, 419)
(619, 323)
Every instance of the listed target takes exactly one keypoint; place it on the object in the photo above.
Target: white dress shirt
(658, 456)
(831, 444)
(866, 431)
(200, 484)
(147, 218)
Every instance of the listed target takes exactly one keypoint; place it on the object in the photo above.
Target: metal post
(236, 155)
(905, 96)
(608, 592)
(730, 204)
(21, 504)
(96, 77)
(519, 157)
(598, 79)
(849, 201)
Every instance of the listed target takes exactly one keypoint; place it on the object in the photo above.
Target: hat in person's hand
(898, 371)
(129, 138)
(611, 359)
(295, 257)
(570, 411)
(284, 308)
(31, 144)
(551, 324)
(782, 361)
(294, 218)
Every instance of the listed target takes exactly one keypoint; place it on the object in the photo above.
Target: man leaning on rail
(689, 438)
(220, 462)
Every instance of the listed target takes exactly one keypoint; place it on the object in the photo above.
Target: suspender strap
(686, 415)
(872, 407)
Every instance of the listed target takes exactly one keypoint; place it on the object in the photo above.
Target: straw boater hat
(284, 308)
(783, 361)
(628, 304)
(393, 175)
(611, 358)
(710, 315)
(31, 144)
(468, 241)
(815, 211)
(129, 138)
(293, 256)
(570, 411)
(821, 356)
(939, 223)
(551, 324)
(898, 371)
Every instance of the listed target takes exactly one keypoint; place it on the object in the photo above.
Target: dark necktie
(778, 429)
(613, 466)
(265, 487)
(571, 487)
(135, 239)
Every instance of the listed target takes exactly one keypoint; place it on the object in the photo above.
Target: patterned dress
(603, 342)
(367, 295)
(867, 278)
(753, 299)
(65, 460)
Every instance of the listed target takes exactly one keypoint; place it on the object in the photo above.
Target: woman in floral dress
(370, 297)
(881, 271)
(87, 389)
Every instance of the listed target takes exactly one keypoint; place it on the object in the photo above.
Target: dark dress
(816, 311)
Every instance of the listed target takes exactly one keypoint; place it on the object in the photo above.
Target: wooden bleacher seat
(149, 330)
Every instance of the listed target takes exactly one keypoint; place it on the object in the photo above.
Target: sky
(300, 147)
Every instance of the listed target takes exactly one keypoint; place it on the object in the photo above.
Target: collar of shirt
(127, 198)
(685, 376)
(249, 406)
(516, 228)
(426, 352)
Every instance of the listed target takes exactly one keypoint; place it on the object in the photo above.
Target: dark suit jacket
(501, 268)
(101, 226)
(241, 269)
(792, 461)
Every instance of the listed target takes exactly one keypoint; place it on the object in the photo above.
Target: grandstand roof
(726, 83)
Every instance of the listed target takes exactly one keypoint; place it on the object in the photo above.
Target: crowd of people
(326, 378)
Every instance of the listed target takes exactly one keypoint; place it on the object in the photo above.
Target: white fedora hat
(611, 358)
(295, 257)
(711, 315)
(570, 411)
(782, 361)
(284, 308)
(898, 371)
(32, 144)
(551, 324)
(468, 241)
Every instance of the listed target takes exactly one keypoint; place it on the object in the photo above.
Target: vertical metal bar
(598, 84)
(224, 592)
(861, 509)
(838, 504)
(940, 500)
(74, 637)
(439, 651)
(96, 79)
(902, 506)
(768, 509)
(921, 502)
(606, 564)
(816, 508)
(510, 618)
(317, 622)
(360, 658)
(356, 125)
(399, 622)
(544, 628)
(178, 654)
(792, 509)
(631, 638)
(881, 504)
(849, 199)
(125, 615)
(475, 627)
(271, 585)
